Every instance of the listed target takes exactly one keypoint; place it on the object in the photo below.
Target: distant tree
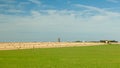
(78, 41)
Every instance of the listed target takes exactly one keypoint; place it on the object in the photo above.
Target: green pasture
(104, 56)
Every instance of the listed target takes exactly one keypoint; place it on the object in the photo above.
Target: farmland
(32, 45)
(105, 56)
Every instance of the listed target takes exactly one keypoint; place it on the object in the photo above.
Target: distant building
(108, 41)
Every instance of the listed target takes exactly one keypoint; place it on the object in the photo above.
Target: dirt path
(29, 45)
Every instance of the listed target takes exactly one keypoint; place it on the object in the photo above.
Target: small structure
(59, 40)
(108, 41)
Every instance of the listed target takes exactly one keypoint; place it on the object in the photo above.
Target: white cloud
(8, 1)
(91, 8)
(12, 8)
(58, 19)
(6, 6)
(101, 11)
(24, 3)
(114, 1)
(15, 11)
(3, 5)
(36, 2)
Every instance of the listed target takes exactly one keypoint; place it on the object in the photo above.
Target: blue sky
(46, 20)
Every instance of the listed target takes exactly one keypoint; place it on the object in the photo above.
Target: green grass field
(107, 56)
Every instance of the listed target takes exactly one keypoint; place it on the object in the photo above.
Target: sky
(70, 20)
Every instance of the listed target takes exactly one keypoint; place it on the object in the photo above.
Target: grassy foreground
(107, 56)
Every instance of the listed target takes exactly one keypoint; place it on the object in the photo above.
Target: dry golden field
(30, 45)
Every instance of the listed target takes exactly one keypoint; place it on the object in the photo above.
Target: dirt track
(29, 45)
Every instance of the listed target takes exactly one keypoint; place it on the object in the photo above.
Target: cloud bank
(92, 23)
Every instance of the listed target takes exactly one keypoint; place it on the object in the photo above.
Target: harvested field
(29, 45)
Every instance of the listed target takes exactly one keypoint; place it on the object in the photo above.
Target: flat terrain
(105, 56)
(30, 45)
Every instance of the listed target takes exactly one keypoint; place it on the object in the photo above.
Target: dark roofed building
(108, 41)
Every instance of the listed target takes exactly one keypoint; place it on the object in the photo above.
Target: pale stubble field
(30, 45)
